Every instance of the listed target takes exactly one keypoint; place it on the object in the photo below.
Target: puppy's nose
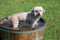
(38, 14)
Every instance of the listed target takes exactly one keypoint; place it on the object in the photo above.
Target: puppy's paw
(34, 27)
(14, 28)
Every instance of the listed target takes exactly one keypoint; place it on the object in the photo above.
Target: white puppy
(31, 17)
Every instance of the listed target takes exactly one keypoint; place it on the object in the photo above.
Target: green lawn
(52, 15)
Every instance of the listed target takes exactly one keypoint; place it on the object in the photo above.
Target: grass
(52, 15)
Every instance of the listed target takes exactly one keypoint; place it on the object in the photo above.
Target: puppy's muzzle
(38, 14)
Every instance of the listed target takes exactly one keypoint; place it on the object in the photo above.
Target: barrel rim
(25, 32)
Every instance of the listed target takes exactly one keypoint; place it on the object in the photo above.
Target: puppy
(31, 17)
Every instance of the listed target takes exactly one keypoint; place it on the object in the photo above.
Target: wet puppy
(29, 17)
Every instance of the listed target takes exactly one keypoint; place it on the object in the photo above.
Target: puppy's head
(38, 11)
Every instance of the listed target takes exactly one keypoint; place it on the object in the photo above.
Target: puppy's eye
(36, 11)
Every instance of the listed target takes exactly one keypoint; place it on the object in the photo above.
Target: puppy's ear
(33, 13)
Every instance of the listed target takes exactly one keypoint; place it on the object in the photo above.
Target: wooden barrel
(36, 34)
(29, 35)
